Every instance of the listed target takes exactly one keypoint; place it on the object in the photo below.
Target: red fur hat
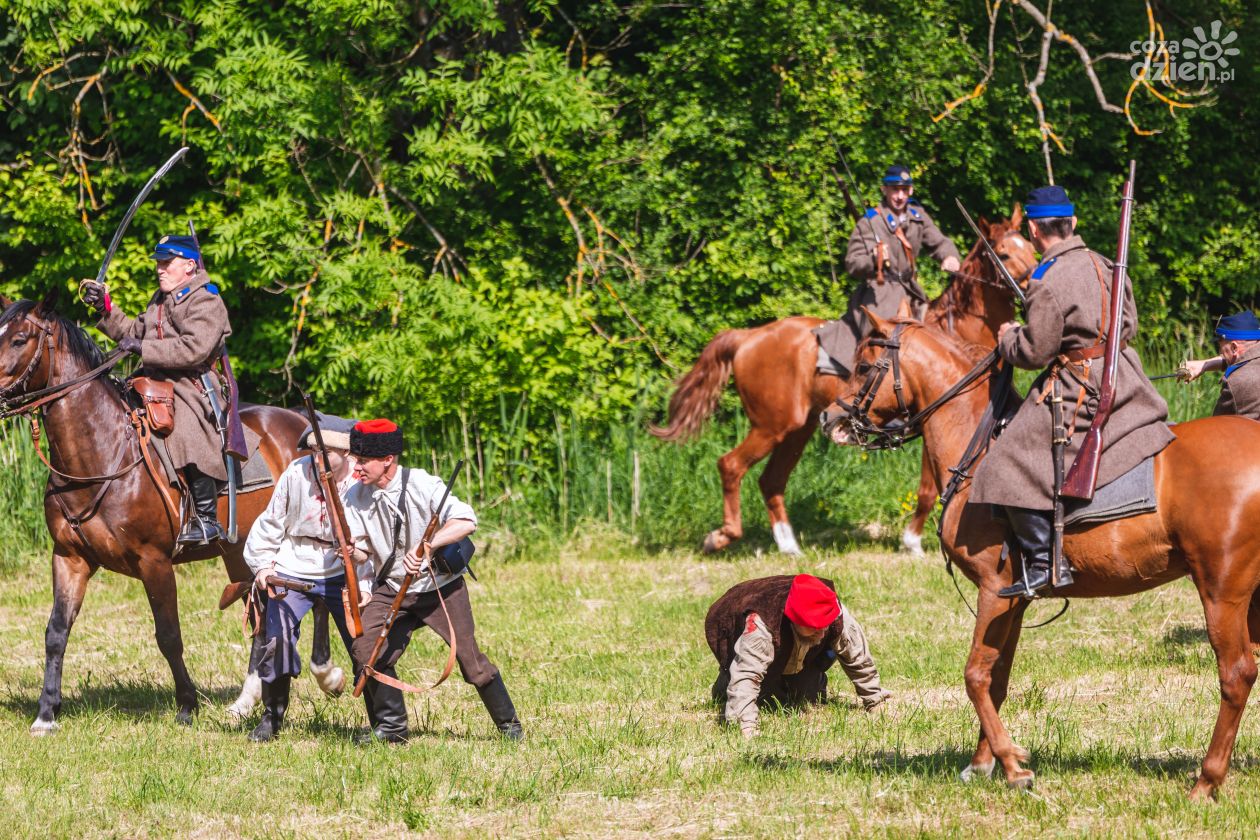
(811, 603)
(376, 439)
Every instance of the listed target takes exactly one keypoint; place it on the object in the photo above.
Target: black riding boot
(1034, 529)
(275, 703)
(495, 695)
(387, 714)
(203, 524)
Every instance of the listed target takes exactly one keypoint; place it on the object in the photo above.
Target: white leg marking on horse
(331, 679)
(41, 728)
(785, 539)
(251, 693)
(912, 542)
(975, 772)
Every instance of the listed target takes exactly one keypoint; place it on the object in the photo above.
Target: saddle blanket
(1129, 495)
(253, 475)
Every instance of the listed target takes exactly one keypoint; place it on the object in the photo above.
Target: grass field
(604, 653)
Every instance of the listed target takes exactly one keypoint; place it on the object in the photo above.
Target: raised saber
(131, 211)
(988, 249)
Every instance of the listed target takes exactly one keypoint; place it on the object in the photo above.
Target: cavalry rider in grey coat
(293, 539)
(1068, 297)
(775, 638)
(883, 255)
(178, 338)
(387, 512)
(1238, 340)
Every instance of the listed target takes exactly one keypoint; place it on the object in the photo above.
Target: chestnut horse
(1217, 544)
(783, 394)
(110, 513)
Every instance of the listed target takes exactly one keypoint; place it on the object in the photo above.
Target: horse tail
(696, 396)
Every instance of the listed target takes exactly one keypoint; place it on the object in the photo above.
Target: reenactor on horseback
(1068, 299)
(883, 255)
(1238, 340)
(775, 638)
(178, 338)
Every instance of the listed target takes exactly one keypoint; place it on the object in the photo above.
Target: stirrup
(197, 532)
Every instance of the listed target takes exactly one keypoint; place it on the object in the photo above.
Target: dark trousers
(385, 702)
(280, 656)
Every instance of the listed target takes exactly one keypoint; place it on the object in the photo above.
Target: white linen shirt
(293, 534)
(372, 515)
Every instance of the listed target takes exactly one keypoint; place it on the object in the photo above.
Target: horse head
(1012, 248)
(33, 337)
(900, 369)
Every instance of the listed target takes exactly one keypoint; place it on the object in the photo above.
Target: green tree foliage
(435, 210)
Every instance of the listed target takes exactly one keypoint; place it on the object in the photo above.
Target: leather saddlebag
(159, 402)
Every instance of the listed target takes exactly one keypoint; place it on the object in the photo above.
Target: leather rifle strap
(393, 682)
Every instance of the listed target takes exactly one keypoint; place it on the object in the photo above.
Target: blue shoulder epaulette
(870, 213)
(212, 289)
(1235, 367)
(1041, 269)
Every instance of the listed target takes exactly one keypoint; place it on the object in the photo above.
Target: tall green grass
(541, 479)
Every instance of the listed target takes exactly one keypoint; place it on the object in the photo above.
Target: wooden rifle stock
(337, 520)
(435, 522)
(1082, 477)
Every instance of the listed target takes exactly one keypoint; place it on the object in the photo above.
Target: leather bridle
(15, 404)
(904, 427)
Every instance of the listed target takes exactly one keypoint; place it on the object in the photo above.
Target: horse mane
(74, 339)
(959, 296)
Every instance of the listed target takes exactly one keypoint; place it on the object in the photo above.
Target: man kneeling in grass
(775, 638)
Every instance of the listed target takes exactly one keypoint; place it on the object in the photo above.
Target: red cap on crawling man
(811, 603)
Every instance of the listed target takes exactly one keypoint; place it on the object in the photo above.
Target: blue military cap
(1048, 203)
(169, 247)
(898, 175)
(1242, 326)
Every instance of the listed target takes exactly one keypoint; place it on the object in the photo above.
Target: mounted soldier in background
(178, 338)
(1068, 301)
(883, 255)
(1238, 340)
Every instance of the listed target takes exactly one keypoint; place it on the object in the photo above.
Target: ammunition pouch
(158, 397)
(453, 559)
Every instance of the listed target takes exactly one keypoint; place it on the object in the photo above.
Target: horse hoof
(912, 543)
(40, 728)
(715, 542)
(184, 717)
(1203, 792)
(1022, 780)
(976, 772)
(331, 679)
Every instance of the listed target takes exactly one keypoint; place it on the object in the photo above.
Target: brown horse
(116, 517)
(1217, 544)
(782, 393)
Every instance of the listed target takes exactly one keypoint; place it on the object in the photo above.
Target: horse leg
(994, 622)
(1227, 628)
(331, 679)
(982, 762)
(732, 467)
(251, 690)
(70, 576)
(773, 483)
(912, 536)
(158, 576)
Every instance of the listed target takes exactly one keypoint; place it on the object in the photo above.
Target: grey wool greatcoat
(1067, 311)
(1240, 387)
(181, 334)
(839, 339)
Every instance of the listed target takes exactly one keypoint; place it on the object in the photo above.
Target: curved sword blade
(131, 211)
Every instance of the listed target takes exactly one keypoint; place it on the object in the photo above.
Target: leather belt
(1087, 353)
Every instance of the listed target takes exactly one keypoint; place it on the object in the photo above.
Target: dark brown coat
(182, 334)
(767, 597)
(1240, 387)
(1067, 303)
(840, 338)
